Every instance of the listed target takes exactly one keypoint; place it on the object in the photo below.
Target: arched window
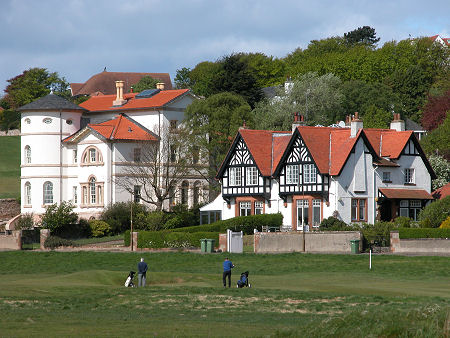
(48, 193)
(91, 156)
(27, 193)
(92, 192)
(27, 154)
(184, 192)
(196, 192)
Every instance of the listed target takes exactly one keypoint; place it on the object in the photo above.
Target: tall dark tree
(183, 78)
(146, 82)
(362, 35)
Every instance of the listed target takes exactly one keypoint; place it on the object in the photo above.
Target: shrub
(25, 222)
(405, 233)
(167, 239)
(155, 220)
(333, 224)
(53, 242)
(435, 213)
(445, 224)
(402, 222)
(117, 215)
(57, 217)
(377, 234)
(99, 228)
(241, 223)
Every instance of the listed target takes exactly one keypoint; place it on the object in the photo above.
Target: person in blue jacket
(227, 266)
(142, 272)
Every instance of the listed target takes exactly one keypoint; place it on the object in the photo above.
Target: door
(302, 214)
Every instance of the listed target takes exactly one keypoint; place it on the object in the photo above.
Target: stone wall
(9, 208)
(11, 242)
(420, 246)
(326, 242)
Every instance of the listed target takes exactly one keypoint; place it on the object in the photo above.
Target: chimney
(244, 125)
(355, 125)
(397, 123)
(299, 120)
(160, 85)
(119, 94)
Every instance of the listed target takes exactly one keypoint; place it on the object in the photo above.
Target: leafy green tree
(183, 79)
(362, 35)
(435, 213)
(441, 168)
(267, 70)
(146, 82)
(57, 217)
(202, 78)
(32, 84)
(438, 141)
(376, 118)
(211, 125)
(9, 119)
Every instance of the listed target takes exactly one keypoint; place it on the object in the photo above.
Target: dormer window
(91, 156)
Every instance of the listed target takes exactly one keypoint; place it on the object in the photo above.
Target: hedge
(169, 239)
(241, 223)
(405, 233)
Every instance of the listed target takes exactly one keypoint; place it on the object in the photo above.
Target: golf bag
(243, 281)
(129, 282)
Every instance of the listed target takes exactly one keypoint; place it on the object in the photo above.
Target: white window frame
(251, 176)
(247, 206)
(359, 206)
(92, 155)
(316, 208)
(259, 207)
(137, 193)
(48, 193)
(309, 173)
(409, 176)
(27, 154)
(75, 194)
(292, 173)
(235, 176)
(27, 193)
(302, 205)
(92, 190)
(386, 176)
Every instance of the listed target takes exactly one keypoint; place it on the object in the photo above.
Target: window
(410, 208)
(302, 213)
(28, 193)
(47, 120)
(292, 174)
(259, 207)
(245, 208)
(75, 195)
(48, 193)
(92, 190)
(69, 122)
(235, 176)
(137, 193)
(358, 209)
(184, 192)
(195, 154)
(173, 154)
(387, 176)
(252, 176)
(137, 155)
(74, 156)
(316, 213)
(196, 192)
(27, 154)
(409, 176)
(85, 195)
(309, 173)
(91, 156)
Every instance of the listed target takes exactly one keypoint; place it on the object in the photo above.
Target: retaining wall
(329, 241)
(11, 242)
(419, 245)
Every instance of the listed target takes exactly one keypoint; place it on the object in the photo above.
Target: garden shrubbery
(445, 224)
(435, 213)
(168, 239)
(53, 242)
(333, 224)
(99, 228)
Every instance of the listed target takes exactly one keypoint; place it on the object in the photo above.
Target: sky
(79, 38)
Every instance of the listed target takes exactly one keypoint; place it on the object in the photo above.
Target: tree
(435, 111)
(211, 125)
(441, 168)
(57, 217)
(318, 98)
(32, 84)
(376, 118)
(183, 79)
(161, 168)
(146, 82)
(202, 78)
(266, 70)
(438, 141)
(362, 35)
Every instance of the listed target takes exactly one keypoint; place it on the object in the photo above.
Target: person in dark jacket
(142, 272)
(227, 266)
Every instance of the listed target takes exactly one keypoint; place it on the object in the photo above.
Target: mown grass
(95, 240)
(82, 293)
(10, 167)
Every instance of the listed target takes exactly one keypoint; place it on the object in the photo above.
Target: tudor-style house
(311, 173)
(75, 153)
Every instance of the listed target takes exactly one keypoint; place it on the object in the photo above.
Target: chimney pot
(119, 94)
(160, 85)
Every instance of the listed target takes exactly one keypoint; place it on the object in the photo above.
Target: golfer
(142, 272)
(227, 266)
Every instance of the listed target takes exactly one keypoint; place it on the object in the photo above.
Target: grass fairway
(82, 294)
(10, 167)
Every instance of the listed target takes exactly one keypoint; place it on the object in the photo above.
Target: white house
(74, 153)
(311, 173)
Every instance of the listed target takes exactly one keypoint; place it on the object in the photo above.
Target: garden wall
(329, 241)
(419, 246)
(11, 242)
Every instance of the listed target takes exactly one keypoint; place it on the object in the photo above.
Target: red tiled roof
(259, 143)
(123, 128)
(392, 142)
(317, 140)
(341, 146)
(279, 145)
(104, 82)
(406, 194)
(105, 102)
(442, 192)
